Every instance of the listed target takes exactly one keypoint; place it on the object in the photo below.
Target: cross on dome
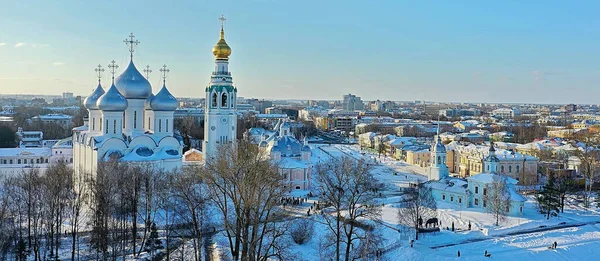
(164, 71)
(113, 69)
(147, 71)
(222, 18)
(131, 43)
(99, 70)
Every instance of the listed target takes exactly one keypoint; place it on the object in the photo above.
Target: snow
(524, 237)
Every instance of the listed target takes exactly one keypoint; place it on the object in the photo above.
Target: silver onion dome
(132, 84)
(90, 101)
(112, 100)
(148, 101)
(164, 101)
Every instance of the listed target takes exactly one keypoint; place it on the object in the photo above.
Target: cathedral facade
(127, 122)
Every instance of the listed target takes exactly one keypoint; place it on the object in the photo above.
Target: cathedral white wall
(113, 123)
(94, 121)
(163, 122)
(149, 120)
(134, 116)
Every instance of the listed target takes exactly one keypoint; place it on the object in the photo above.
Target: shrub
(301, 230)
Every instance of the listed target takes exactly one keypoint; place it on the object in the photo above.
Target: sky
(454, 51)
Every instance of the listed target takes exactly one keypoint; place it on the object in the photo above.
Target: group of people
(294, 201)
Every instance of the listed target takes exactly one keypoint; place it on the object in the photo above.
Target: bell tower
(220, 120)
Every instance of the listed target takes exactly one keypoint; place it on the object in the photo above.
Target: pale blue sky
(472, 51)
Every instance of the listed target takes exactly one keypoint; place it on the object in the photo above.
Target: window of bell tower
(214, 100)
(224, 100)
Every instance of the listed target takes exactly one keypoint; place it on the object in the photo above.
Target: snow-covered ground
(526, 237)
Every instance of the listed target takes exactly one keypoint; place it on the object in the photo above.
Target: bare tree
(348, 188)
(589, 158)
(57, 186)
(497, 198)
(189, 198)
(417, 206)
(246, 188)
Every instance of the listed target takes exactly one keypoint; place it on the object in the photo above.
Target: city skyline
(534, 52)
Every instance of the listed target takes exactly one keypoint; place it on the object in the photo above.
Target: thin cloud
(39, 45)
(18, 45)
(2, 44)
(58, 63)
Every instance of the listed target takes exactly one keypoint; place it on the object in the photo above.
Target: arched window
(214, 100)
(509, 168)
(502, 169)
(106, 127)
(134, 119)
(167, 125)
(518, 168)
(100, 123)
(149, 123)
(93, 123)
(124, 120)
(114, 126)
(224, 100)
(439, 161)
(159, 125)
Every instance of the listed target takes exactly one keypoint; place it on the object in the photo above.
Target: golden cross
(222, 18)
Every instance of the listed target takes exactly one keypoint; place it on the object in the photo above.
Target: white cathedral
(127, 122)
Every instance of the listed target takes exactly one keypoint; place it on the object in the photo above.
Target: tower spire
(113, 69)
(99, 70)
(131, 43)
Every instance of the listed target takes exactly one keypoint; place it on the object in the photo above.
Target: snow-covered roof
(13, 152)
(490, 177)
(453, 185)
(291, 163)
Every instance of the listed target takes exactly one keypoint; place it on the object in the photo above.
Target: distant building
(30, 139)
(58, 119)
(506, 113)
(351, 102)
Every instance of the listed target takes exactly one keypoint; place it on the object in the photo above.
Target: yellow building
(419, 157)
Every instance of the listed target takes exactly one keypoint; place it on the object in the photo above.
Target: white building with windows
(472, 192)
(16, 160)
(127, 122)
(292, 157)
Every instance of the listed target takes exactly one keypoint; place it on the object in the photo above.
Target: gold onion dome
(221, 50)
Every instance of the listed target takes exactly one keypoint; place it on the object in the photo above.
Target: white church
(127, 122)
(472, 191)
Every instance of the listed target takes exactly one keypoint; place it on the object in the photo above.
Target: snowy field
(526, 237)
